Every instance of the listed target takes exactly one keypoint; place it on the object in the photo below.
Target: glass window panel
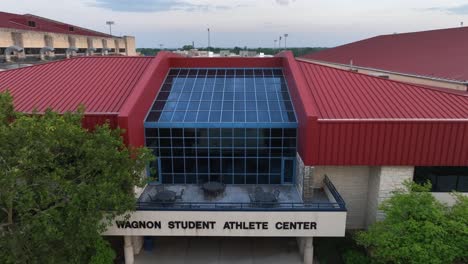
(275, 166)
(239, 116)
(239, 179)
(274, 106)
(251, 165)
(228, 105)
(263, 179)
(205, 105)
(215, 116)
(170, 105)
(158, 105)
(177, 142)
(203, 116)
(178, 116)
(462, 183)
(166, 116)
(251, 179)
(152, 142)
(446, 183)
(191, 178)
(263, 165)
(227, 116)
(166, 165)
(226, 132)
(167, 179)
(263, 116)
(275, 178)
(261, 95)
(196, 96)
(165, 152)
(153, 116)
(202, 178)
(276, 116)
(178, 152)
(251, 116)
(262, 105)
(189, 132)
(289, 142)
(239, 105)
(151, 132)
(291, 117)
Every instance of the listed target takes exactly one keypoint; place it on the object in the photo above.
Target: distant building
(433, 58)
(222, 53)
(31, 39)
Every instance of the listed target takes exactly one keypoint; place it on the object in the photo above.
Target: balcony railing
(337, 206)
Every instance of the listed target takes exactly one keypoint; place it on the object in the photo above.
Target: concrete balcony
(237, 197)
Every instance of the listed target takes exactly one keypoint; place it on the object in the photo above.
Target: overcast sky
(252, 23)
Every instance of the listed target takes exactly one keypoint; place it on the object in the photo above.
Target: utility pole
(110, 23)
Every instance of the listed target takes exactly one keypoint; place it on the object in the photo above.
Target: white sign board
(217, 223)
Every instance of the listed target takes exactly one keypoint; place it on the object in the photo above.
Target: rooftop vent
(32, 23)
(71, 28)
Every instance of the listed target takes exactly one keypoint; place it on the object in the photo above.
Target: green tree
(58, 182)
(418, 229)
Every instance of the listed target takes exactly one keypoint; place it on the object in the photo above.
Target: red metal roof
(15, 21)
(370, 121)
(341, 94)
(101, 84)
(436, 53)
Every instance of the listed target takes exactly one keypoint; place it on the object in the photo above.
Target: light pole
(209, 44)
(274, 46)
(279, 45)
(110, 23)
(161, 46)
(285, 37)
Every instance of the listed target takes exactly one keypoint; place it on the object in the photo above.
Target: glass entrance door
(288, 170)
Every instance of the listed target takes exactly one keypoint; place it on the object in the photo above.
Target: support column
(137, 243)
(300, 245)
(128, 250)
(308, 250)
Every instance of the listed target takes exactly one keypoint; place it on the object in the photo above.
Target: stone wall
(382, 182)
(352, 184)
(304, 179)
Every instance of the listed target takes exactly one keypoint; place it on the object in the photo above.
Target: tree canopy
(58, 182)
(418, 229)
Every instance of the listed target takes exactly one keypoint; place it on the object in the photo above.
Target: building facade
(259, 147)
(30, 38)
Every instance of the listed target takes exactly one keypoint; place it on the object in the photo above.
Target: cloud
(155, 5)
(284, 2)
(457, 10)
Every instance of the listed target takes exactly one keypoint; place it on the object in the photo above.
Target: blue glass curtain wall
(232, 125)
(233, 156)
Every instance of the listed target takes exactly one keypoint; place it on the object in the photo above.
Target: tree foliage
(57, 180)
(418, 229)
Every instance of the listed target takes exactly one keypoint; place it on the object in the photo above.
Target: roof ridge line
(66, 24)
(305, 60)
(40, 64)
